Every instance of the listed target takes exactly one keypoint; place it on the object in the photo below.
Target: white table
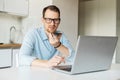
(35, 73)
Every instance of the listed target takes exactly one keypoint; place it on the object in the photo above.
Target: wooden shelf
(14, 46)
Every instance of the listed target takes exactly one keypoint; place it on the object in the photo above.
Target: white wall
(6, 21)
(118, 32)
(97, 17)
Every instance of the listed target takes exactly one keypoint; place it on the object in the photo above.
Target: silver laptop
(93, 53)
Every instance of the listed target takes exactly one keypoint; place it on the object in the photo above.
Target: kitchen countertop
(14, 46)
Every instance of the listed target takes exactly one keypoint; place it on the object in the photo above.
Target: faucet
(11, 28)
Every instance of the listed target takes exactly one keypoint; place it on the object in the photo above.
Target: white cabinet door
(16, 7)
(5, 58)
(1, 5)
(15, 57)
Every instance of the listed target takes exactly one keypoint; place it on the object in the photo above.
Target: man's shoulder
(32, 32)
(35, 29)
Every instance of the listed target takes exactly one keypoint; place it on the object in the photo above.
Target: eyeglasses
(55, 20)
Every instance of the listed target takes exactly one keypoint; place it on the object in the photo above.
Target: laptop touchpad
(63, 67)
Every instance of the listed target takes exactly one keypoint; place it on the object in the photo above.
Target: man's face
(51, 21)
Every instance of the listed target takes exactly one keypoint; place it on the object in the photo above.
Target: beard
(51, 30)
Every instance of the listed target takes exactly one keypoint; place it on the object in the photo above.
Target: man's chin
(50, 31)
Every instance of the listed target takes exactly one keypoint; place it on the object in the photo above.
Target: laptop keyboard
(64, 67)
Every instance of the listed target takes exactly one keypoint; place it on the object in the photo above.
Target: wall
(6, 21)
(118, 32)
(97, 17)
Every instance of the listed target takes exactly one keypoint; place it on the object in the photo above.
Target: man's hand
(56, 60)
(54, 39)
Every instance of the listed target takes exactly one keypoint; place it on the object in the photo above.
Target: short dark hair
(52, 8)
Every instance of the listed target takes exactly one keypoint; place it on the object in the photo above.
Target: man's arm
(55, 41)
(26, 49)
(64, 50)
(54, 61)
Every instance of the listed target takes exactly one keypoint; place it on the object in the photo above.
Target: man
(46, 46)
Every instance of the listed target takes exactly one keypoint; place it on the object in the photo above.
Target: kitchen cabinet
(15, 57)
(14, 7)
(9, 55)
(1, 5)
(5, 58)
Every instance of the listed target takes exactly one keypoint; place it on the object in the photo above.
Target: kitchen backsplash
(6, 21)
